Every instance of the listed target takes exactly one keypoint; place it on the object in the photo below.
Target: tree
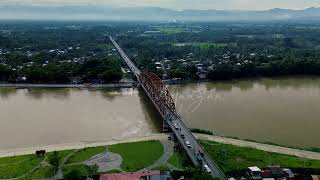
(73, 175)
(93, 170)
(54, 161)
(5, 73)
(111, 75)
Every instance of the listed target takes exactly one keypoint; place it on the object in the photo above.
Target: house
(145, 175)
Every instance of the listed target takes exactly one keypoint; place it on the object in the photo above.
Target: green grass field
(229, 157)
(82, 170)
(62, 154)
(177, 160)
(171, 30)
(138, 155)
(25, 166)
(85, 154)
(14, 159)
(39, 173)
(207, 45)
(17, 166)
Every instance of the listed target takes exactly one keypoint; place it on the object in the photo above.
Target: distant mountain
(151, 14)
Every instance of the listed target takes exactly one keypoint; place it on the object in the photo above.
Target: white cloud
(177, 4)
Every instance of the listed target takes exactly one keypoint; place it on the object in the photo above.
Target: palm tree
(54, 161)
(93, 170)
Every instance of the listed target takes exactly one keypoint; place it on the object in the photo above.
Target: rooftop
(254, 169)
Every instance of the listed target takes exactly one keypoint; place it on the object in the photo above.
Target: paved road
(173, 119)
(124, 56)
(195, 147)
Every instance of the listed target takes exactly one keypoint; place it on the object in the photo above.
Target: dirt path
(237, 142)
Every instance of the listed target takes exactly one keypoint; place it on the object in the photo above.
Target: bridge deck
(173, 119)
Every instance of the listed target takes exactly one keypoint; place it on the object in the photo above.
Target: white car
(176, 126)
(188, 144)
(206, 167)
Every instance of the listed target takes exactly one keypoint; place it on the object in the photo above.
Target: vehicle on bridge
(199, 159)
(176, 126)
(188, 144)
(206, 167)
(200, 152)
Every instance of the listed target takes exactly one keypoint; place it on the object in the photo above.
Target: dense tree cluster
(58, 53)
(62, 53)
(232, 50)
(273, 68)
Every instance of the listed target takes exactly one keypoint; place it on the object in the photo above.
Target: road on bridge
(175, 123)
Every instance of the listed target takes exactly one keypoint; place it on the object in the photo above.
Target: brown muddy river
(284, 111)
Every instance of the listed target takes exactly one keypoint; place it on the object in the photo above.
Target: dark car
(200, 152)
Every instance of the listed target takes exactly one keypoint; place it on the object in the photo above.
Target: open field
(138, 155)
(85, 154)
(18, 166)
(39, 173)
(32, 167)
(207, 45)
(231, 158)
(171, 30)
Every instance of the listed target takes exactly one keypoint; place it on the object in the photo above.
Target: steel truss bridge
(160, 96)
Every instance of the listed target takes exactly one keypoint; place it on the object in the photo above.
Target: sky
(177, 4)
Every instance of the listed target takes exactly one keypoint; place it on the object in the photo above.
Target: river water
(283, 111)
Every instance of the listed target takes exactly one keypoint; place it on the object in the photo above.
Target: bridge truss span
(158, 92)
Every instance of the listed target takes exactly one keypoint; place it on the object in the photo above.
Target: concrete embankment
(224, 140)
(114, 85)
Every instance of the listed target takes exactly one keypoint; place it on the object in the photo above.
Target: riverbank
(218, 139)
(114, 85)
